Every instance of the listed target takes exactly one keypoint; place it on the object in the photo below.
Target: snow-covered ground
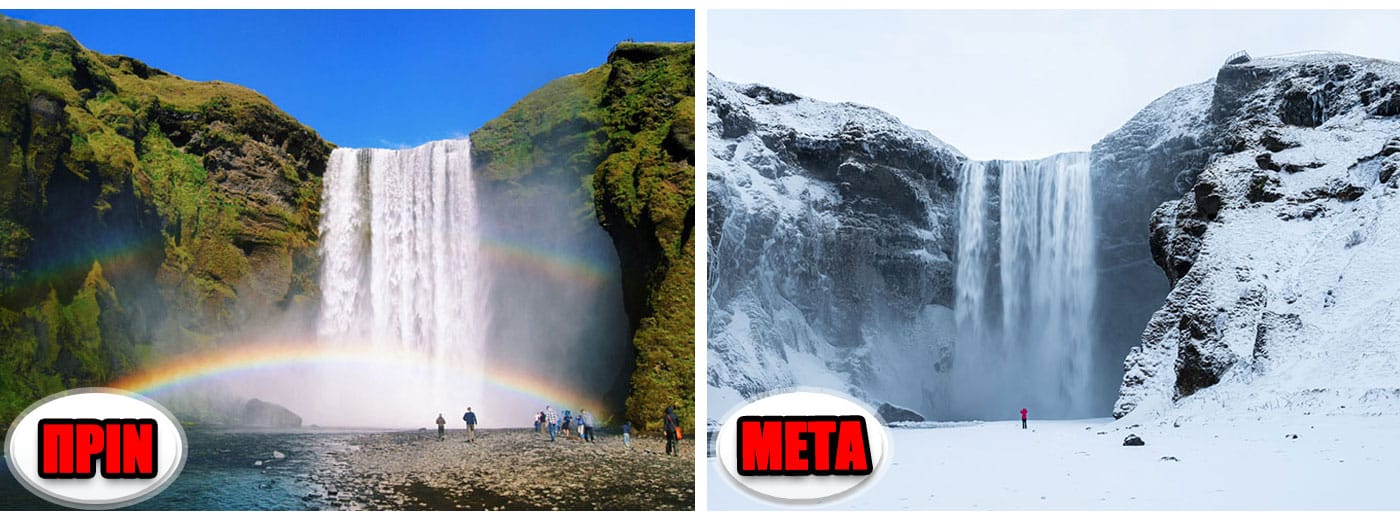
(1250, 461)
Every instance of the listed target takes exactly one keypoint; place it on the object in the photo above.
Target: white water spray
(1025, 289)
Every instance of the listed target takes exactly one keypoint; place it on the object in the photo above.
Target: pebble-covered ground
(320, 469)
(505, 470)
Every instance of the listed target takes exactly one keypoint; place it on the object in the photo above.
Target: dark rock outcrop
(261, 414)
(894, 414)
(1266, 162)
(1275, 143)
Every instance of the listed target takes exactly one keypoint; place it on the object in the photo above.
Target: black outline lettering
(759, 470)
(865, 444)
(58, 460)
(155, 449)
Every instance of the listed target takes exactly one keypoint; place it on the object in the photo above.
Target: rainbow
(543, 262)
(193, 368)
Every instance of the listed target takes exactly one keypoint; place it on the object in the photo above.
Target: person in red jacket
(1023, 419)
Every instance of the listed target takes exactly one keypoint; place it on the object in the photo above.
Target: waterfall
(1025, 289)
(401, 263)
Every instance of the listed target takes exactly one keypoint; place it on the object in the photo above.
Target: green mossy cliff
(626, 132)
(138, 208)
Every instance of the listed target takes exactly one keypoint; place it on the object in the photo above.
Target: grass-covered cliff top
(554, 127)
(560, 126)
(55, 63)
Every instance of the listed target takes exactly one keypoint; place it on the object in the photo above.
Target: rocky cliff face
(622, 137)
(831, 243)
(139, 208)
(1283, 253)
(1155, 157)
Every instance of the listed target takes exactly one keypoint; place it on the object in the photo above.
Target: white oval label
(95, 448)
(802, 446)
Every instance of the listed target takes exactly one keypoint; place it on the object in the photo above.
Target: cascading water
(402, 268)
(1025, 289)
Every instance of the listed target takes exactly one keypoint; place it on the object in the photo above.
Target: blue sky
(373, 78)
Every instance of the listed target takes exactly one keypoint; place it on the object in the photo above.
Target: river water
(237, 470)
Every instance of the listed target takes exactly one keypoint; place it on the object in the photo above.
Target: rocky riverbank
(505, 470)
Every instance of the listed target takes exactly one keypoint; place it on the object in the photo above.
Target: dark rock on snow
(894, 414)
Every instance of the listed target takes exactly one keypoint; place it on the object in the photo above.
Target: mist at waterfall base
(564, 323)
(1025, 289)
(440, 291)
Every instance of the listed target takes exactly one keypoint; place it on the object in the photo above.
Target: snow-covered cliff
(831, 242)
(1284, 255)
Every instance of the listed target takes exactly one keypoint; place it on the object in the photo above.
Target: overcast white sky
(1017, 84)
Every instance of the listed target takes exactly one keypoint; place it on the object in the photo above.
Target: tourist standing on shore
(442, 427)
(551, 419)
(670, 423)
(587, 426)
(627, 434)
(539, 422)
(470, 419)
